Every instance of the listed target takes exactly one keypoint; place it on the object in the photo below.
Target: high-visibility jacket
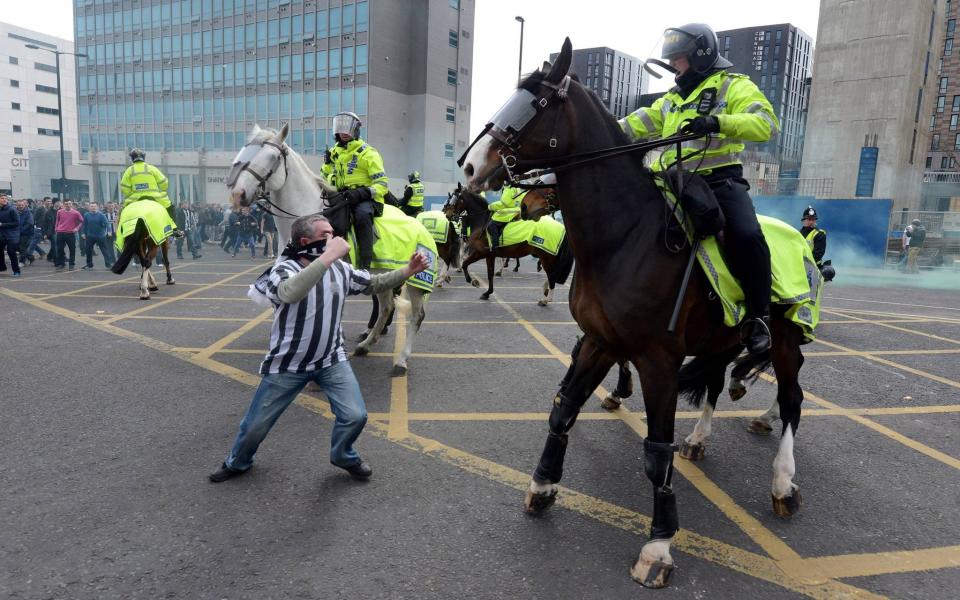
(144, 181)
(742, 110)
(507, 207)
(818, 247)
(357, 165)
(416, 199)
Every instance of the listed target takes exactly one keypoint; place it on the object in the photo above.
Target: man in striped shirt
(308, 291)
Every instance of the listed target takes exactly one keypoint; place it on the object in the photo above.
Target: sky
(632, 27)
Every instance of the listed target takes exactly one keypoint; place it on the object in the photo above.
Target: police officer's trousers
(363, 214)
(745, 248)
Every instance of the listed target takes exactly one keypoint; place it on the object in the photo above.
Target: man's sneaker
(86, 268)
(360, 470)
(755, 334)
(224, 473)
(17, 274)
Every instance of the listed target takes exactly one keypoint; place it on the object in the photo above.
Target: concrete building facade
(617, 78)
(867, 126)
(186, 80)
(29, 113)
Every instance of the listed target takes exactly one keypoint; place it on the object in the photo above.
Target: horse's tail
(696, 375)
(561, 265)
(130, 245)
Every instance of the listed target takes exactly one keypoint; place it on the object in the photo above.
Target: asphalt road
(115, 411)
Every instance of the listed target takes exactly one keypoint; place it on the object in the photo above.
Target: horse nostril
(468, 170)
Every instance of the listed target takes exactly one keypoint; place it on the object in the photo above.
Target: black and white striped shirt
(307, 336)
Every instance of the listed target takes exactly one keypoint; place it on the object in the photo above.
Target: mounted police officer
(728, 109)
(817, 240)
(412, 203)
(143, 181)
(356, 170)
(504, 210)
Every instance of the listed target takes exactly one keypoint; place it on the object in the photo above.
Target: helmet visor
(345, 124)
(677, 42)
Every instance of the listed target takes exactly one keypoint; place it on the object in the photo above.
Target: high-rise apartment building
(617, 78)
(870, 101)
(29, 124)
(941, 182)
(777, 58)
(187, 79)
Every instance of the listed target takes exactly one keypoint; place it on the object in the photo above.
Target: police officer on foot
(143, 181)
(728, 109)
(355, 168)
(817, 240)
(412, 203)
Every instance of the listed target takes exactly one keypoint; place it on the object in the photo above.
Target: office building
(187, 79)
(29, 127)
(617, 78)
(870, 101)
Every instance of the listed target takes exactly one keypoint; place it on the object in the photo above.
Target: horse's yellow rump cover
(545, 234)
(159, 224)
(436, 223)
(796, 280)
(397, 238)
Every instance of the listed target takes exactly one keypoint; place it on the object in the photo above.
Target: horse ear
(282, 135)
(559, 69)
(546, 66)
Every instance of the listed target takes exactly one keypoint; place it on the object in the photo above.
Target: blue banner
(867, 173)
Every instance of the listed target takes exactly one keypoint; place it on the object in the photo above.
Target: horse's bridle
(262, 197)
(512, 120)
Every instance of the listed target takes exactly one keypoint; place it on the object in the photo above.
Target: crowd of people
(57, 230)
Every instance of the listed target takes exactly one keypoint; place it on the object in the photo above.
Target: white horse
(267, 165)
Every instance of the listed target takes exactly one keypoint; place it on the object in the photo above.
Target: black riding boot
(177, 233)
(494, 228)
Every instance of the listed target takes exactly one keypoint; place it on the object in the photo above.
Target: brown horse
(624, 292)
(141, 245)
(474, 214)
(449, 250)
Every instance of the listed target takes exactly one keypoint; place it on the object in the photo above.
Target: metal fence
(788, 186)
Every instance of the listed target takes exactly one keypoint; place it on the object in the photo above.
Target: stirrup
(751, 335)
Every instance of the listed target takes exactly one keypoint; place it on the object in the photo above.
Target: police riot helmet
(698, 43)
(137, 154)
(915, 222)
(347, 123)
(809, 213)
(414, 176)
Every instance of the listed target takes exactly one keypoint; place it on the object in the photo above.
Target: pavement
(116, 410)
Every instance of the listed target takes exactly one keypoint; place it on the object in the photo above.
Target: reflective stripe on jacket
(742, 110)
(357, 165)
(142, 180)
(416, 200)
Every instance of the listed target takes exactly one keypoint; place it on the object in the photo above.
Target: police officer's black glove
(358, 195)
(326, 157)
(702, 126)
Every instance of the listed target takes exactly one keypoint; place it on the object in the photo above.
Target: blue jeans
(247, 238)
(275, 393)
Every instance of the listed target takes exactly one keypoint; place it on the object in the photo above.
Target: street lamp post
(57, 53)
(520, 64)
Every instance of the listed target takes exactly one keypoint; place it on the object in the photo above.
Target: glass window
(321, 64)
(455, 4)
(953, 122)
(309, 65)
(261, 70)
(348, 18)
(362, 58)
(956, 142)
(935, 141)
(362, 16)
(360, 100)
(454, 38)
(448, 150)
(321, 24)
(297, 66)
(452, 76)
(948, 47)
(951, 26)
(334, 62)
(334, 22)
(943, 85)
(285, 29)
(956, 104)
(451, 114)
(285, 68)
(347, 60)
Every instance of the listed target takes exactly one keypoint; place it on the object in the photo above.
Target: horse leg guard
(562, 417)
(655, 565)
(573, 363)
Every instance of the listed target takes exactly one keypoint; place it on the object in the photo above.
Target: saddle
(697, 200)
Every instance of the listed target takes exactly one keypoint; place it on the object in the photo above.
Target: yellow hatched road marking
(874, 313)
(398, 428)
(896, 328)
(883, 563)
(890, 363)
(231, 337)
(696, 545)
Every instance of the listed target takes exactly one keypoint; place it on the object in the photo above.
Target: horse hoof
(788, 505)
(737, 390)
(759, 427)
(498, 274)
(447, 279)
(537, 502)
(170, 282)
(475, 283)
(542, 302)
(398, 371)
(485, 296)
(142, 297)
(361, 351)
(154, 288)
(654, 574)
(611, 402)
(692, 451)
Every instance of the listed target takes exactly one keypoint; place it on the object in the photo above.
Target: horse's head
(537, 203)
(533, 114)
(260, 167)
(454, 207)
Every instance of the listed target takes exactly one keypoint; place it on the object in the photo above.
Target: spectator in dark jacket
(26, 231)
(247, 230)
(9, 235)
(49, 227)
(94, 233)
